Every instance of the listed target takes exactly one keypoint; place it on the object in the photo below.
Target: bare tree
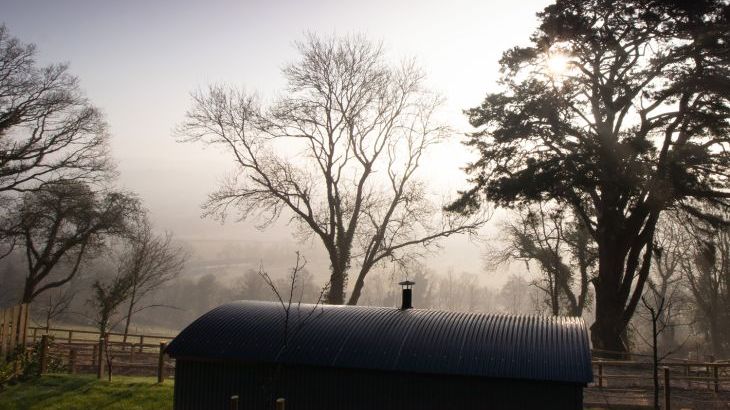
(655, 308)
(48, 129)
(563, 249)
(149, 262)
(290, 297)
(64, 222)
(708, 276)
(339, 152)
(515, 295)
(55, 304)
(107, 298)
(448, 291)
(424, 279)
(252, 287)
(672, 247)
(664, 301)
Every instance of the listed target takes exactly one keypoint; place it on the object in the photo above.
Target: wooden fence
(13, 329)
(682, 384)
(682, 374)
(84, 351)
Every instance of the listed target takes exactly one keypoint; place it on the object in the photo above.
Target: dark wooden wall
(209, 385)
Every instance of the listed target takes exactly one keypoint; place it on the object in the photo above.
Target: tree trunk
(715, 337)
(655, 357)
(554, 299)
(606, 331)
(606, 335)
(356, 291)
(359, 284)
(129, 314)
(336, 292)
(28, 290)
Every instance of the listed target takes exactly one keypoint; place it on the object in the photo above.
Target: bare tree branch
(338, 153)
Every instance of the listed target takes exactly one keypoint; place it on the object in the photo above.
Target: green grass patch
(57, 392)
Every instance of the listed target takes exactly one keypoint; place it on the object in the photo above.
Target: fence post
(3, 334)
(280, 404)
(14, 318)
(161, 363)
(44, 355)
(600, 374)
(667, 388)
(18, 326)
(716, 376)
(72, 361)
(35, 331)
(100, 358)
(70, 336)
(23, 324)
(131, 352)
(234, 403)
(141, 343)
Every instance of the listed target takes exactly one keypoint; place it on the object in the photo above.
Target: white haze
(138, 61)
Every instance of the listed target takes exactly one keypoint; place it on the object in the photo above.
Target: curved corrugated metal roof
(413, 340)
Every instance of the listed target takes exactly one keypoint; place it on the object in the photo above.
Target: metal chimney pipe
(407, 301)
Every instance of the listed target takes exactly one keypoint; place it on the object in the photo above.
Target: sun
(558, 63)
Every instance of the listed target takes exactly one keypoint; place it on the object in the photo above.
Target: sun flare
(558, 64)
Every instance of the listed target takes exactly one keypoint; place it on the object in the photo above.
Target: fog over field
(138, 61)
(565, 158)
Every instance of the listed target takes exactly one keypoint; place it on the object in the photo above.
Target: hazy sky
(138, 61)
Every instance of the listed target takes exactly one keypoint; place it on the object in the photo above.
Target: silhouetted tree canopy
(63, 223)
(48, 129)
(620, 111)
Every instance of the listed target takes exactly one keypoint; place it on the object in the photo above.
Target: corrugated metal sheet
(414, 340)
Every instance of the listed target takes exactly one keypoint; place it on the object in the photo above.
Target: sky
(138, 61)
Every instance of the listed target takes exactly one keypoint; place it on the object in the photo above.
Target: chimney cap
(407, 283)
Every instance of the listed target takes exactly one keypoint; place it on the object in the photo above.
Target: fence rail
(82, 351)
(81, 336)
(688, 374)
(87, 357)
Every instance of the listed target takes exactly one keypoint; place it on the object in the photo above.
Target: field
(57, 392)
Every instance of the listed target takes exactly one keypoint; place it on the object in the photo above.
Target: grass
(56, 392)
